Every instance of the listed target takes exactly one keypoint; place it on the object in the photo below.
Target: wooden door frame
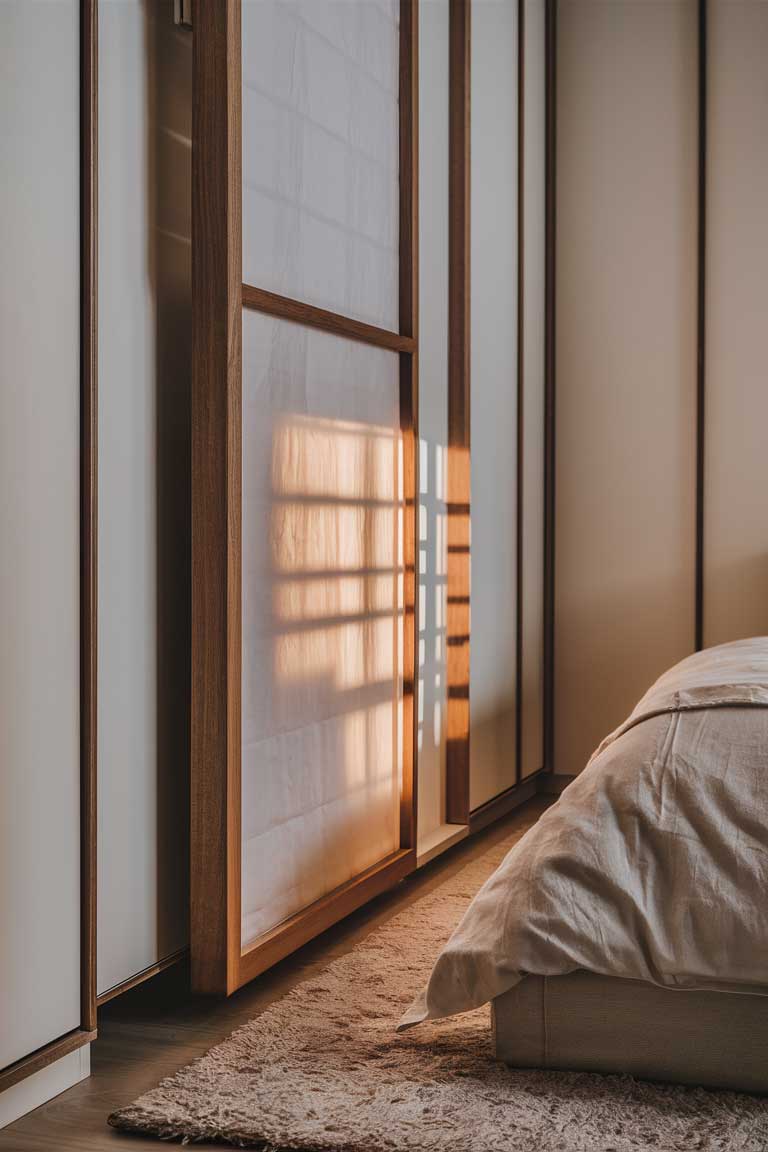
(86, 1032)
(219, 964)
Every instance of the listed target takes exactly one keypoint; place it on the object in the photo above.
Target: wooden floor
(155, 1029)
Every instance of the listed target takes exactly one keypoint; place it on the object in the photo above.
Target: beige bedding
(653, 864)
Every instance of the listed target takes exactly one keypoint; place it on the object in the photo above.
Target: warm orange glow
(320, 598)
(349, 655)
(458, 719)
(313, 537)
(334, 458)
(323, 653)
(337, 587)
(458, 609)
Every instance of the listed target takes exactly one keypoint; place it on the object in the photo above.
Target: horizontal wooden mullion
(140, 977)
(285, 938)
(298, 312)
(501, 805)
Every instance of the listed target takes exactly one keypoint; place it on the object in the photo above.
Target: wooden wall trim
(88, 500)
(550, 383)
(520, 470)
(49, 1054)
(701, 322)
(506, 802)
(458, 481)
(147, 973)
(323, 913)
(216, 496)
(409, 409)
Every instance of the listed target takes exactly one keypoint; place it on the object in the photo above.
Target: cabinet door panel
(39, 526)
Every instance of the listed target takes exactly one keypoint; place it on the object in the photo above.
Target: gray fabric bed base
(596, 1023)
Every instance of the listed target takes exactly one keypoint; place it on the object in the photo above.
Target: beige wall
(626, 368)
(736, 524)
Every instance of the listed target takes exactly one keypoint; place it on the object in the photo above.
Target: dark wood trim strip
(145, 974)
(519, 510)
(216, 496)
(549, 384)
(503, 804)
(311, 921)
(553, 783)
(458, 482)
(701, 324)
(409, 408)
(88, 502)
(298, 312)
(36, 1061)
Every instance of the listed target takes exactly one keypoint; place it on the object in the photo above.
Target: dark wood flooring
(158, 1027)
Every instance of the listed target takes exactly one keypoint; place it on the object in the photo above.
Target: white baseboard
(42, 1086)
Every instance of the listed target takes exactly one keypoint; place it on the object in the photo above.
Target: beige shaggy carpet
(323, 1069)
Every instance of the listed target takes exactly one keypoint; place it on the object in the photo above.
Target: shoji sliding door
(500, 83)
(493, 373)
(304, 471)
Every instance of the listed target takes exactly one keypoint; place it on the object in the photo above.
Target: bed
(628, 930)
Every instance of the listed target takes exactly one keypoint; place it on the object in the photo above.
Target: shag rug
(323, 1070)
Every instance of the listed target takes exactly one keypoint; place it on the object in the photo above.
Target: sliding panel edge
(216, 496)
(409, 407)
(458, 478)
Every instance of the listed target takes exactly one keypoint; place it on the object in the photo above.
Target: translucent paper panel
(433, 409)
(322, 615)
(534, 186)
(320, 153)
(494, 397)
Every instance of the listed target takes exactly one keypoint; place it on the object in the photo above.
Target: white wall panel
(320, 154)
(322, 615)
(144, 371)
(736, 447)
(433, 406)
(39, 525)
(494, 396)
(626, 358)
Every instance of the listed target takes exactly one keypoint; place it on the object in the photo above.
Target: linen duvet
(652, 865)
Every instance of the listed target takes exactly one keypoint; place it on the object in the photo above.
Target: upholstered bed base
(604, 1024)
